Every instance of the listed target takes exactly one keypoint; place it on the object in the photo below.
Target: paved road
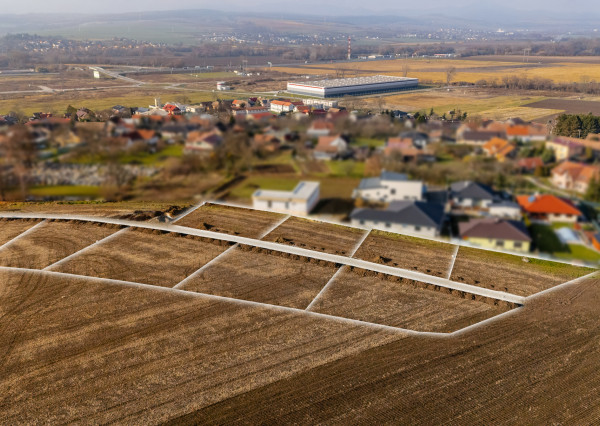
(343, 260)
(116, 75)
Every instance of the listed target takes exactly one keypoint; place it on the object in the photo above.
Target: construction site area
(222, 314)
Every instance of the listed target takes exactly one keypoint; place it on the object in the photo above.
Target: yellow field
(434, 70)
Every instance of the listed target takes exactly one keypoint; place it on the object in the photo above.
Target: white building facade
(299, 202)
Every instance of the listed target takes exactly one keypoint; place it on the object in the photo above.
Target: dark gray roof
(400, 177)
(482, 135)
(473, 190)
(370, 183)
(497, 229)
(415, 213)
(510, 204)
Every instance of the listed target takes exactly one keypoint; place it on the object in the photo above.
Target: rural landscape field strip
(91, 246)
(454, 256)
(359, 263)
(12, 228)
(400, 303)
(199, 271)
(65, 351)
(254, 274)
(514, 274)
(51, 241)
(272, 228)
(147, 256)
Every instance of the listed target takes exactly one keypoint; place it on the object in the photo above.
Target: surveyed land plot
(416, 254)
(513, 274)
(144, 256)
(318, 236)
(257, 275)
(51, 242)
(147, 355)
(231, 220)
(402, 303)
(11, 228)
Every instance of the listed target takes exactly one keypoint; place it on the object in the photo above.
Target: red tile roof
(547, 204)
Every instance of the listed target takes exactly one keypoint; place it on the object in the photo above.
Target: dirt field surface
(231, 220)
(10, 228)
(319, 236)
(400, 304)
(569, 106)
(78, 350)
(509, 273)
(416, 254)
(51, 242)
(261, 277)
(121, 210)
(537, 365)
(144, 256)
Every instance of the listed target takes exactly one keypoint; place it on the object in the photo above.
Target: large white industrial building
(352, 86)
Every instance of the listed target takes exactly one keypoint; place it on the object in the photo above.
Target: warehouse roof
(355, 81)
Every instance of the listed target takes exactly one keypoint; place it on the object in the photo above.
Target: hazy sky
(337, 7)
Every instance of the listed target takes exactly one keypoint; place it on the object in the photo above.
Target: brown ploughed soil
(11, 228)
(252, 274)
(231, 220)
(397, 303)
(144, 256)
(314, 235)
(509, 273)
(51, 242)
(402, 251)
(82, 351)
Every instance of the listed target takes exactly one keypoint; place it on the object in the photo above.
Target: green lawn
(370, 142)
(155, 159)
(247, 187)
(558, 225)
(579, 252)
(545, 240)
(346, 168)
(65, 191)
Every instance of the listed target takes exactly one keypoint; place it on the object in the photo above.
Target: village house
(407, 151)
(574, 176)
(472, 195)
(198, 142)
(299, 201)
(494, 233)
(532, 132)
(499, 148)
(388, 187)
(405, 217)
(549, 208)
(528, 165)
(320, 128)
(330, 148)
(566, 148)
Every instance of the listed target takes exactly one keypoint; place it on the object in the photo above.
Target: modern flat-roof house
(404, 217)
(549, 208)
(496, 234)
(467, 194)
(352, 86)
(388, 187)
(300, 201)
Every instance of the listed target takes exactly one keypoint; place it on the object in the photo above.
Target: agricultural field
(402, 251)
(10, 228)
(122, 210)
(231, 220)
(396, 302)
(144, 256)
(181, 78)
(513, 274)
(315, 235)
(537, 365)
(77, 350)
(568, 106)
(273, 278)
(52, 241)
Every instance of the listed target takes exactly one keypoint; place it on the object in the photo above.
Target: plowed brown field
(509, 273)
(11, 228)
(231, 220)
(143, 256)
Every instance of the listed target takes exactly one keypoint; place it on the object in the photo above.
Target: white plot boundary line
(274, 227)
(232, 300)
(21, 235)
(188, 211)
(78, 252)
(560, 286)
(199, 271)
(339, 271)
(284, 248)
(452, 262)
(324, 289)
